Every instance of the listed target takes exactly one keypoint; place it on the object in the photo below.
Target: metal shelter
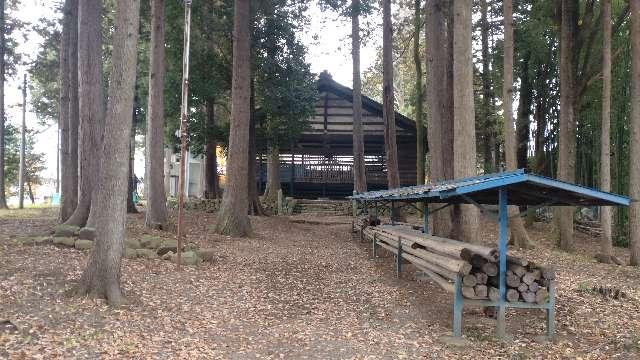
(506, 188)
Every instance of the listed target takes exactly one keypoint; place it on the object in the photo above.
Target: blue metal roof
(523, 189)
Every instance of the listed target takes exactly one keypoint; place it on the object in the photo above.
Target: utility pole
(184, 130)
(58, 163)
(22, 143)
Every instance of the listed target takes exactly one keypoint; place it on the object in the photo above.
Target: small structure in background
(320, 163)
(513, 282)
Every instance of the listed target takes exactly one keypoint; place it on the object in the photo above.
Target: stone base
(87, 233)
(454, 341)
(65, 241)
(83, 244)
(66, 230)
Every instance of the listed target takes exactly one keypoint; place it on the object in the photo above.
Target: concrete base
(454, 341)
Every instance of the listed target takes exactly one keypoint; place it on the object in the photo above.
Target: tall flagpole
(184, 126)
(21, 171)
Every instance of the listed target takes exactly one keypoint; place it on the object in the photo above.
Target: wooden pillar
(502, 247)
(260, 171)
(292, 175)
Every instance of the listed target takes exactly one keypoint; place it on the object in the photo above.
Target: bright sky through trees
(327, 39)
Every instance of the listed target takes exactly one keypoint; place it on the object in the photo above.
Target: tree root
(112, 294)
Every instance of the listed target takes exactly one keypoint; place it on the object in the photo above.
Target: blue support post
(354, 205)
(393, 220)
(374, 245)
(502, 247)
(399, 258)
(425, 217)
(457, 307)
(551, 311)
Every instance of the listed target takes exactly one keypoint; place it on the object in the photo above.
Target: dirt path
(294, 290)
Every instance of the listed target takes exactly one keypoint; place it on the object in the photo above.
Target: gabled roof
(522, 189)
(326, 83)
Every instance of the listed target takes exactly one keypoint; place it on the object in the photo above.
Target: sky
(327, 39)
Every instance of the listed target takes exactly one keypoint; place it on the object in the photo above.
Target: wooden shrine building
(320, 163)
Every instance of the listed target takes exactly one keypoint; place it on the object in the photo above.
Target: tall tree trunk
(417, 60)
(210, 155)
(168, 153)
(3, 201)
(101, 278)
(23, 144)
(437, 102)
(523, 121)
(519, 236)
(156, 215)
(255, 207)
(131, 188)
(233, 218)
(74, 106)
(488, 141)
(605, 134)
(30, 191)
(273, 175)
(68, 194)
(634, 167)
(465, 216)
(90, 105)
(448, 120)
(388, 111)
(567, 133)
(540, 116)
(359, 168)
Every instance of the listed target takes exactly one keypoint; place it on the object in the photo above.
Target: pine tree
(388, 111)
(101, 278)
(634, 139)
(233, 217)
(359, 169)
(465, 216)
(89, 84)
(605, 141)
(156, 215)
(567, 135)
(519, 235)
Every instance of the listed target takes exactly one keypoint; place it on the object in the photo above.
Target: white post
(21, 175)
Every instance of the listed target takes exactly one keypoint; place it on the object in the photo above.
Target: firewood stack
(444, 259)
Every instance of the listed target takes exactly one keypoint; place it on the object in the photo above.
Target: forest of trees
(552, 86)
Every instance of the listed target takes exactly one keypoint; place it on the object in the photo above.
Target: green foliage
(284, 85)
(34, 161)
(403, 64)
(284, 88)
(210, 68)
(44, 73)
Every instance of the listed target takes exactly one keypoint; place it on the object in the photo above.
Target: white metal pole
(184, 128)
(21, 175)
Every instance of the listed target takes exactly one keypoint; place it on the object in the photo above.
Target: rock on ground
(168, 245)
(146, 254)
(65, 241)
(87, 233)
(81, 244)
(63, 230)
(132, 243)
(150, 241)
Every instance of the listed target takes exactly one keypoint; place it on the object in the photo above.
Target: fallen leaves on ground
(294, 290)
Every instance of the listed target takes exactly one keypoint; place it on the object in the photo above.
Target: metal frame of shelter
(507, 188)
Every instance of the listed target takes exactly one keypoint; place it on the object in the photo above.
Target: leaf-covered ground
(293, 290)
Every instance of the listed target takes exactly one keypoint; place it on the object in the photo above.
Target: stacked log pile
(445, 259)
(589, 227)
